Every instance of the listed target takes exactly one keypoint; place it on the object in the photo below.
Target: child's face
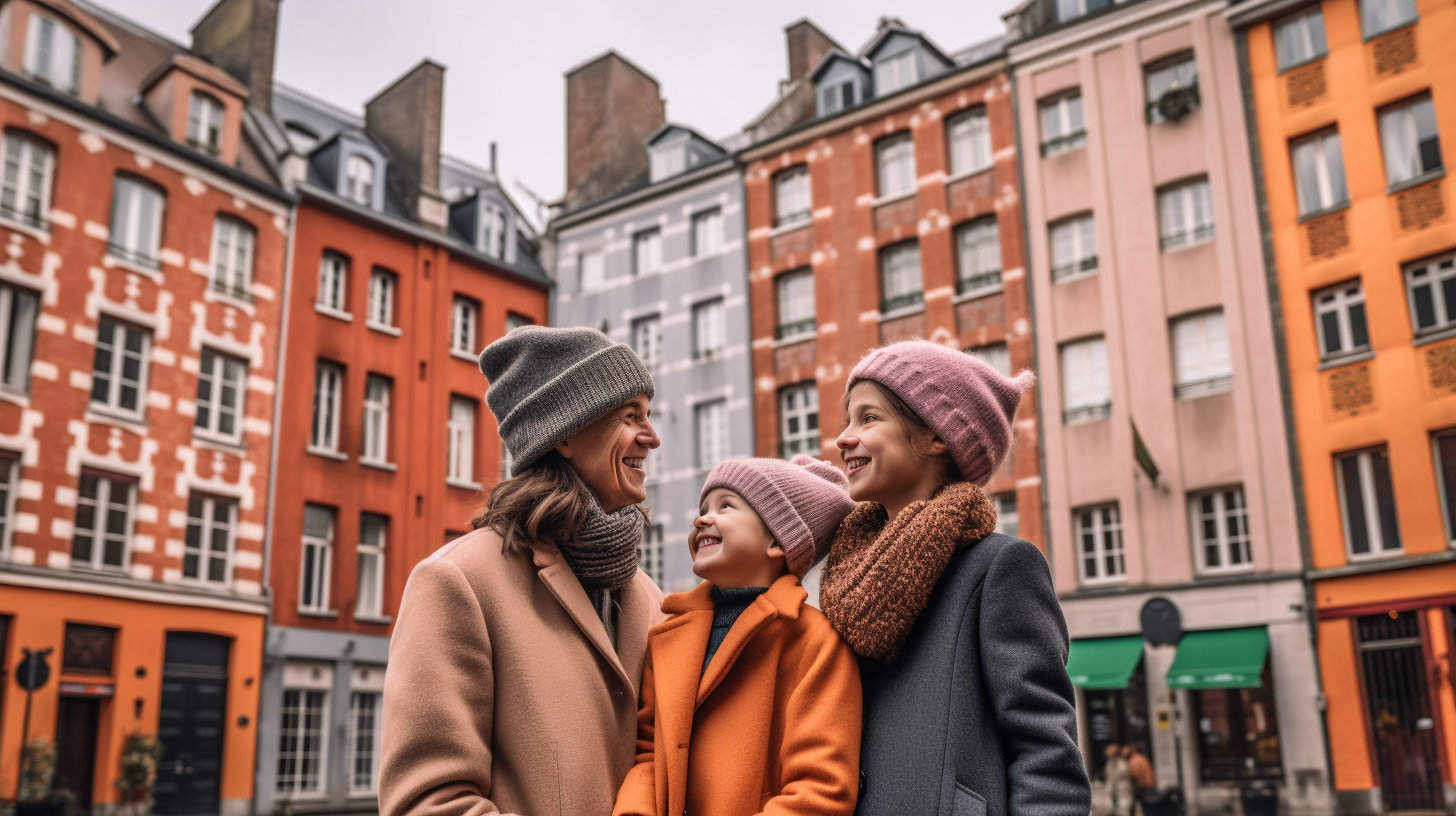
(875, 446)
(731, 545)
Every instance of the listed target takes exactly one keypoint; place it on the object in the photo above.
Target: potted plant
(139, 755)
(37, 772)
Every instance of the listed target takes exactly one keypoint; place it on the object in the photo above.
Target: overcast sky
(719, 64)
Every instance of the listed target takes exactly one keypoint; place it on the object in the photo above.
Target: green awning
(1104, 663)
(1224, 658)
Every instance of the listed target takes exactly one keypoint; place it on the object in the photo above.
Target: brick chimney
(405, 118)
(807, 46)
(240, 37)
(612, 106)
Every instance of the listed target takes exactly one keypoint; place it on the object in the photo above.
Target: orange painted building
(140, 302)
(892, 213)
(1354, 102)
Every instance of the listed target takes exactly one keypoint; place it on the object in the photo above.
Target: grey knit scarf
(604, 557)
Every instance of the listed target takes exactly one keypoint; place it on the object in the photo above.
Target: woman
(517, 656)
(967, 704)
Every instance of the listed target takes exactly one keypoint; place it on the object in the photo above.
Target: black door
(76, 724)
(190, 726)
(1401, 717)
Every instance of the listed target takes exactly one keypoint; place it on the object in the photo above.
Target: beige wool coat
(503, 693)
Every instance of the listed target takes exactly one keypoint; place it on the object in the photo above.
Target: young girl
(967, 703)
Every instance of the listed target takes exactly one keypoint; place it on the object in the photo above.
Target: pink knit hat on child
(968, 404)
(801, 502)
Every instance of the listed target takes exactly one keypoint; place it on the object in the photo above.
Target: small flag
(1140, 453)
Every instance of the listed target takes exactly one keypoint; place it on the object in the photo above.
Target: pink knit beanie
(801, 502)
(968, 404)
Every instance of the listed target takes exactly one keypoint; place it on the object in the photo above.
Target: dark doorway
(191, 725)
(1399, 711)
(1117, 716)
(77, 722)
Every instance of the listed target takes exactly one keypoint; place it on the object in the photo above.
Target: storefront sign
(88, 689)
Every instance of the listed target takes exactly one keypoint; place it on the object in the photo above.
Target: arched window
(359, 180)
(25, 194)
(53, 54)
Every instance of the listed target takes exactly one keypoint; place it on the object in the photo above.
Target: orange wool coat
(772, 726)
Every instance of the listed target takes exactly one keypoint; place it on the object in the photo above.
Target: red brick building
(893, 213)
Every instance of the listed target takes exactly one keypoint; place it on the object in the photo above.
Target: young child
(750, 701)
(968, 706)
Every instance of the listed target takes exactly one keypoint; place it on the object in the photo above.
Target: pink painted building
(1167, 468)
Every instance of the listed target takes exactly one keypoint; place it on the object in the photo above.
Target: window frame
(333, 284)
(321, 549)
(651, 322)
(907, 299)
(464, 326)
(1067, 138)
(1367, 35)
(837, 93)
(1438, 270)
(1189, 194)
(1320, 142)
(1341, 307)
(20, 310)
(903, 70)
(978, 282)
(1445, 483)
(379, 312)
(710, 328)
(1082, 265)
(324, 429)
(988, 353)
(355, 710)
(1172, 64)
(1087, 409)
(207, 524)
(1409, 109)
(10, 467)
(1316, 53)
(460, 442)
(46, 74)
(106, 484)
(1215, 379)
(1101, 551)
(234, 248)
(895, 166)
(320, 738)
(358, 185)
(711, 446)
(1223, 540)
(375, 551)
(972, 137)
(1375, 532)
(114, 375)
(798, 217)
(711, 221)
(599, 275)
(213, 369)
(806, 439)
(374, 445)
(493, 231)
(790, 304)
(647, 249)
(130, 195)
(29, 151)
(1007, 522)
(204, 122)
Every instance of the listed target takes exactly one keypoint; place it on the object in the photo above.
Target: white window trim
(968, 118)
(204, 549)
(383, 286)
(30, 151)
(329, 275)
(806, 441)
(894, 167)
(125, 243)
(12, 486)
(1369, 504)
(1185, 197)
(98, 532)
(1301, 19)
(324, 434)
(1065, 140)
(464, 327)
(647, 252)
(111, 405)
(1323, 181)
(205, 112)
(797, 218)
(218, 375)
(10, 295)
(650, 353)
(1082, 265)
(715, 448)
(1221, 538)
(381, 407)
(710, 329)
(806, 324)
(1448, 514)
(1004, 518)
(359, 184)
(1340, 308)
(597, 260)
(323, 575)
(711, 222)
(320, 789)
(1085, 407)
(70, 79)
(460, 450)
(1100, 552)
(1213, 380)
(1435, 276)
(989, 279)
(377, 551)
(353, 756)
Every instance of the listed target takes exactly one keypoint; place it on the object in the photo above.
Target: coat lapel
(783, 599)
(678, 646)
(564, 586)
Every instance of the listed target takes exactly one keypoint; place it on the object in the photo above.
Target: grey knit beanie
(546, 384)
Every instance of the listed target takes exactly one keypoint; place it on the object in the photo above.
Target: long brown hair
(917, 431)
(547, 502)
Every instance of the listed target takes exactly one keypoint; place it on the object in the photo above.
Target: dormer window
(53, 54)
(669, 159)
(204, 123)
(359, 180)
(895, 72)
(493, 232)
(303, 139)
(837, 97)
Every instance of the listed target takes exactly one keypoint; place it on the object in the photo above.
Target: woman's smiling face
(610, 454)
(883, 465)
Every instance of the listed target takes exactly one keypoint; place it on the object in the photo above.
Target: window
(900, 276)
(969, 136)
(1086, 393)
(796, 303)
(328, 386)
(1099, 533)
(119, 374)
(515, 321)
(1008, 521)
(359, 180)
(1431, 287)
(791, 197)
(506, 461)
(1380, 16)
(9, 481)
(26, 193)
(1238, 733)
(895, 72)
(1340, 320)
(978, 257)
(103, 522)
(88, 649)
(209, 544)
(493, 232)
(647, 252)
(710, 419)
(593, 268)
(1300, 39)
(1367, 502)
(1445, 449)
(837, 97)
(18, 310)
(204, 123)
(649, 553)
(710, 328)
(369, 595)
(301, 741)
(1185, 213)
(377, 392)
(647, 339)
(136, 223)
(1410, 141)
(53, 54)
(1319, 173)
(221, 383)
(232, 257)
(1072, 9)
(464, 315)
(1061, 124)
(707, 233)
(1201, 355)
(1074, 248)
(460, 453)
(995, 355)
(333, 280)
(895, 165)
(382, 284)
(1177, 74)
(668, 159)
(799, 419)
(318, 545)
(363, 741)
(1220, 530)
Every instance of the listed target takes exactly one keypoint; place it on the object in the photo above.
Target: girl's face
(731, 545)
(876, 448)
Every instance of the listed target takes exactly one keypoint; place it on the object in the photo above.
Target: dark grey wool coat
(976, 716)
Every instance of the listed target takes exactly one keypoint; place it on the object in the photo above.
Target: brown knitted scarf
(880, 572)
(604, 557)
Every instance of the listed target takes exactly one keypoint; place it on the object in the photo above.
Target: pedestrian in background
(968, 706)
(1119, 780)
(1141, 771)
(517, 656)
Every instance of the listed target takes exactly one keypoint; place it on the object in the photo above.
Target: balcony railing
(133, 256)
